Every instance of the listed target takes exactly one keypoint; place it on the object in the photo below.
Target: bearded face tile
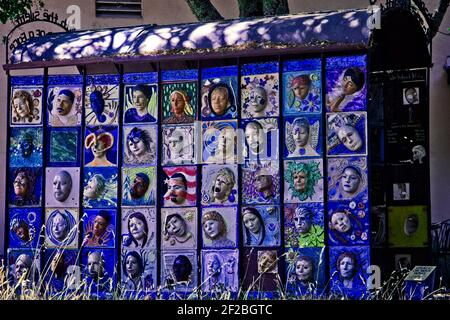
(261, 183)
(26, 102)
(24, 227)
(219, 185)
(303, 181)
(100, 188)
(178, 270)
(25, 148)
(261, 139)
(61, 187)
(64, 105)
(303, 137)
(305, 272)
(102, 100)
(219, 93)
(348, 223)
(99, 228)
(303, 225)
(140, 145)
(219, 227)
(220, 271)
(347, 178)
(346, 83)
(260, 90)
(261, 226)
(138, 228)
(61, 228)
(179, 228)
(100, 144)
(219, 142)
(139, 271)
(141, 97)
(178, 145)
(139, 186)
(25, 187)
(347, 134)
(302, 90)
(179, 186)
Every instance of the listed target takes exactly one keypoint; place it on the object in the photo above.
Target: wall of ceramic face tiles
(248, 178)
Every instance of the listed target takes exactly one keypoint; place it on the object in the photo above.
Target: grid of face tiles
(212, 180)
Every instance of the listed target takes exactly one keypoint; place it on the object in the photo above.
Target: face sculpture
(350, 180)
(22, 103)
(346, 267)
(304, 269)
(132, 266)
(140, 186)
(300, 86)
(95, 265)
(60, 227)
(254, 135)
(176, 226)
(300, 132)
(411, 95)
(136, 145)
(140, 100)
(22, 230)
(212, 228)
(100, 225)
(62, 185)
(411, 224)
(25, 146)
(251, 222)
(219, 100)
(177, 189)
(95, 187)
(350, 138)
(340, 222)
(267, 262)
(177, 103)
(137, 228)
(302, 220)
(258, 99)
(22, 266)
(182, 268)
(21, 184)
(176, 141)
(64, 102)
(300, 181)
(223, 184)
(263, 182)
(213, 266)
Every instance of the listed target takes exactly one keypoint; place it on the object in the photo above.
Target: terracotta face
(301, 90)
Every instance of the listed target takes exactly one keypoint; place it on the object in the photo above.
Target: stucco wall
(177, 11)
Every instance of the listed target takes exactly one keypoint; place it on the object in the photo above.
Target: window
(118, 8)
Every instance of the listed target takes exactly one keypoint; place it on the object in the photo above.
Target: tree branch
(250, 8)
(438, 16)
(275, 7)
(204, 10)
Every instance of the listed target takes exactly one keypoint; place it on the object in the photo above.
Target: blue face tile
(98, 275)
(25, 187)
(303, 225)
(25, 148)
(261, 226)
(24, 227)
(100, 187)
(220, 271)
(99, 228)
(219, 227)
(100, 144)
(303, 137)
(347, 134)
(139, 271)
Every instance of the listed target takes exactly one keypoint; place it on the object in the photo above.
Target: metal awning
(305, 32)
